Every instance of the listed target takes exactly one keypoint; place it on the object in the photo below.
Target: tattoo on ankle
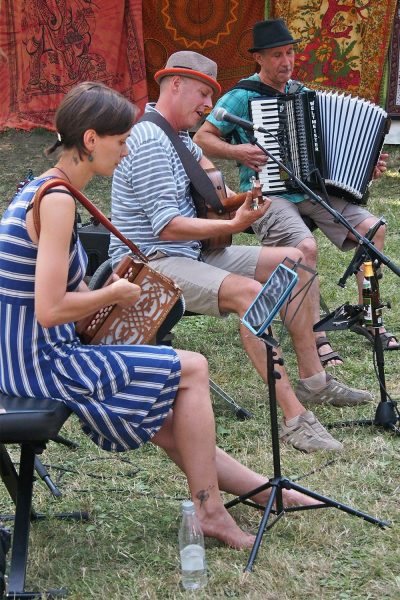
(203, 496)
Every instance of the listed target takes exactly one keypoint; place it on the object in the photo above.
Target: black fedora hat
(271, 34)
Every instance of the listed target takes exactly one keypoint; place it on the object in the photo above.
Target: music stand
(279, 482)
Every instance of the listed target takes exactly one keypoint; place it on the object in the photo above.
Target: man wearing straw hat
(152, 205)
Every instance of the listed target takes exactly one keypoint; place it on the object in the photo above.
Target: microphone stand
(386, 412)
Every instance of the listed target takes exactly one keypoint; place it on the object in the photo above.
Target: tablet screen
(266, 305)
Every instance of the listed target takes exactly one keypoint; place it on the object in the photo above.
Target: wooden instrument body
(161, 303)
(220, 241)
(230, 204)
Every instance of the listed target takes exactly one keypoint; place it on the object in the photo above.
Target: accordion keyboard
(265, 112)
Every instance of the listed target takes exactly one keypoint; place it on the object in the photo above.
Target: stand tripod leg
(241, 413)
(261, 530)
(44, 475)
(386, 414)
(65, 442)
(330, 503)
(277, 485)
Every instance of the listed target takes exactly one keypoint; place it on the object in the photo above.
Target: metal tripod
(278, 481)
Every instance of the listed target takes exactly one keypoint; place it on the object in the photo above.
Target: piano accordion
(317, 135)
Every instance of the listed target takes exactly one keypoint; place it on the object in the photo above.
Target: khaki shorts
(282, 224)
(200, 280)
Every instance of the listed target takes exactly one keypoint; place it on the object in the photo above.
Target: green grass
(129, 548)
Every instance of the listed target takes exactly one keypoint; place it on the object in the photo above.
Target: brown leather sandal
(386, 336)
(326, 358)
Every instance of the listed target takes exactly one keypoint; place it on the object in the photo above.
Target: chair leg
(20, 541)
(19, 552)
(8, 473)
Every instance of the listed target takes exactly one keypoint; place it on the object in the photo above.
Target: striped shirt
(150, 188)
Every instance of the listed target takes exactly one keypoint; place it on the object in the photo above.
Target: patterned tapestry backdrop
(220, 29)
(393, 100)
(344, 42)
(51, 45)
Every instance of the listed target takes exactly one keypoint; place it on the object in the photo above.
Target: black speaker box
(95, 239)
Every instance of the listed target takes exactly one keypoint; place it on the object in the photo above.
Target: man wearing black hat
(283, 225)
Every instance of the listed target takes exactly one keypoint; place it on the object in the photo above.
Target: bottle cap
(187, 506)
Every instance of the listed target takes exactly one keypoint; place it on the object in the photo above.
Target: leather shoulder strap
(259, 87)
(263, 89)
(197, 175)
(54, 182)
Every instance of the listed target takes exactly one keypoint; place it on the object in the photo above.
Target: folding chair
(31, 423)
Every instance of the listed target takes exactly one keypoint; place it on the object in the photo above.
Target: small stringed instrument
(205, 211)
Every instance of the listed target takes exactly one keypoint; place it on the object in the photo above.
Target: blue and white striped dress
(121, 394)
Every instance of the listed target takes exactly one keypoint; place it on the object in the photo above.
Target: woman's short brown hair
(91, 105)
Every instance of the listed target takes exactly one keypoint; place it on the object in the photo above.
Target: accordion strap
(54, 182)
(253, 85)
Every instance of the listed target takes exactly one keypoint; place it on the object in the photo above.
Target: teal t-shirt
(236, 102)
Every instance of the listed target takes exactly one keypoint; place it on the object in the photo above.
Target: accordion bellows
(313, 133)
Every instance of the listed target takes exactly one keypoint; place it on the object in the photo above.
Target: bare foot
(221, 525)
(290, 498)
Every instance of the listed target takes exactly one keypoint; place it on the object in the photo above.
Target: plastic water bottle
(191, 547)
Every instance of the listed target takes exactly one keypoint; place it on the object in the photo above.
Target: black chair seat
(29, 419)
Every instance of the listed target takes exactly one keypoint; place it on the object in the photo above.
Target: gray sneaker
(307, 434)
(335, 393)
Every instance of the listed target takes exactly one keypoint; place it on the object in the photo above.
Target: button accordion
(320, 135)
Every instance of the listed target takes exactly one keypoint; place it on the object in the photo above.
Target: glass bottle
(367, 301)
(191, 547)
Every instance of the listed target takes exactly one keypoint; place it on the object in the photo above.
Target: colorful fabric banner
(220, 29)
(50, 45)
(393, 99)
(344, 42)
